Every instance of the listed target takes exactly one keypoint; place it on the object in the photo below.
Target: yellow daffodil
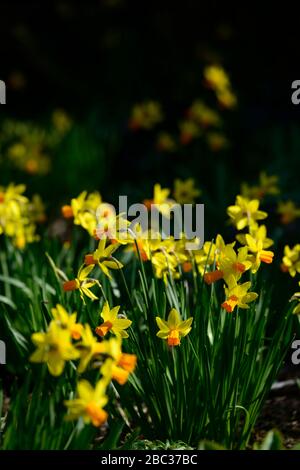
(268, 185)
(145, 115)
(296, 296)
(89, 403)
(103, 257)
(83, 209)
(237, 295)
(226, 98)
(88, 348)
(216, 141)
(112, 322)
(255, 246)
(189, 130)
(174, 328)
(216, 77)
(291, 260)
(82, 283)
(245, 212)
(210, 253)
(259, 233)
(230, 264)
(288, 212)
(166, 142)
(54, 347)
(160, 200)
(203, 115)
(185, 191)
(66, 321)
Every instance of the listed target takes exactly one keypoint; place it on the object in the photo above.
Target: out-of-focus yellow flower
(185, 191)
(268, 185)
(89, 403)
(204, 115)
(189, 130)
(113, 322)
(230, 264)
(145, 115)
(118, 366)
(66, 321)
(296, 296)
(54, 347)
(237, 295)
(288, 212)
(227, 98)
(245, 212)
(19, 215)
(216, 78)
(161, 200)
(291, 260)
(83, 283)
(61, 121)
(174, 328)
(102, 256)
(216, 141)
(88, 348)
(165, 142)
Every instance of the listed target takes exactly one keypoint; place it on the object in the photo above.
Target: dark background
(97, 59)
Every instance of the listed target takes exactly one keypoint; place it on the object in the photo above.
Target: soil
(282, 411)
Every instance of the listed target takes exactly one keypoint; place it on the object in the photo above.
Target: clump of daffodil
(216, 141)
(288, 211)
(83, 210)
(54, 348)
(160, 201)
(19, 215)
(268, 185)
(166, 142)
(28, 146)
(83, 283)
(89, 403)
(245, 212)
(185, 191)
(188, 131)
(174, 328)
(230, 264)
(237, 295)
(112, 322)
(145, 115)
(296, 296)
(103, 257)
(217, 79)
(66, 321)
(203, 115)
(291, 260)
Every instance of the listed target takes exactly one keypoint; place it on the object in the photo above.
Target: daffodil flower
(89, 403)
(103, 258)
(83, 283)
(245, 212)
(260, 255)
(237, 295)
(291, 260)
(174, 328)
(112, 322)
(288, 212)
(230, 264)
(185, 191)
(160, 201)
(88, 348)
(66, 321)
(54, 347)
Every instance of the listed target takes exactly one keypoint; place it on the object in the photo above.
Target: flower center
(173, 338)
(97, 415)
(230, 304)
(103, 329)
